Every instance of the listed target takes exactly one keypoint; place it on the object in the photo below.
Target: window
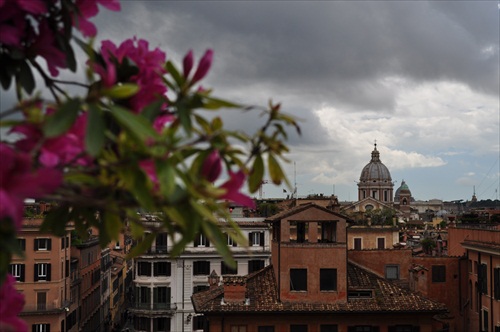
(225, 269)
(230, 241)
(142, 323)
(22, 244)
(41, 300)
(298, 279)
(265, 329)
(43, 244)
(255, 265)
(201, 268)
(299, 231)
(485, 320)
(404, 328)
(199, 288)
(238, 328)
(161, 297)
(161, 243)
(161, 324)
(381, 243)
(162, 269)
(144, 269)
(143, 297)
(199, 323)
(256, 238)
(42, 271)
(328, 279)
(327, 231)
(438, 273)
(201, 241)
(328, 328)
(392, 272)
(482, 277)
(496, 283)
(298, 328)
(40, 328)
(358, 243)
(363, 328)
(17, 271)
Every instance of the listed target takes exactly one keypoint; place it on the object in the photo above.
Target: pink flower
(187, 63)
(88, 9)
(18, 181)
(203, 66)
(148, 167)
(11, 304)
(232, 186)
(212, 166)
(150, 64)
(45, 45)
(68, 148)
(161, 120)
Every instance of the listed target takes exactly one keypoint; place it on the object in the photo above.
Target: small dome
(375, 170)
(403, 189)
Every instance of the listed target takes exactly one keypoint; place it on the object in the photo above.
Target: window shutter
(155, 295)
(33, 328)
(168, 295)
(48, 271)
(62, 243)
(155, 268)
(207, 243)
(48, 327)
(197, 240)
(35, 278)
(262, 239)
(21, 278)
(250, 239)
(35, 245)
(49, 244)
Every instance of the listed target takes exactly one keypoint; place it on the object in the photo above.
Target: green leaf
(62, 120)
(113, 224)
(215, 103)
(256, 174)
(25, 77)
(165, 172)
(55, 221)
(214, 233)
(142, 246)
(121, 91)
(136, 230)
(152, 110)
(178, 78)
(275, 170)
(135, 124)
(184, 116)
(95, 132)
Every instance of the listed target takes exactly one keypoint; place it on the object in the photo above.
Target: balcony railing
(153, 308)
(44, 308)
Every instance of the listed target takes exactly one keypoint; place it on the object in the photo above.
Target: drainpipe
(183, 275)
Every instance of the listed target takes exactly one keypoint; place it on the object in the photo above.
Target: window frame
(325, 281)
(357, 240)
(438, 273)
(227, 270)
(47, 244)
(201, 268)
(390, 266)
(298, 280)
(18, 270)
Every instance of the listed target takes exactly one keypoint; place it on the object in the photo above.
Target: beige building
(43, 277)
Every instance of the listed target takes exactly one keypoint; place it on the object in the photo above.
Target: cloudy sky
(420, 78)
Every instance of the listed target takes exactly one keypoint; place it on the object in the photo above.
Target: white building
(163, 286)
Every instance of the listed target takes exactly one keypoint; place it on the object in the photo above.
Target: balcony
(44, 308)
(153, 309)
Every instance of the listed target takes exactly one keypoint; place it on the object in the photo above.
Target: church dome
(403, 189)
(375, 170)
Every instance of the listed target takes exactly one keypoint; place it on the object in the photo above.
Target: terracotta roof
(300, 208)
(263, 295)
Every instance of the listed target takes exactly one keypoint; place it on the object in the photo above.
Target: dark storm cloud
(340, 50)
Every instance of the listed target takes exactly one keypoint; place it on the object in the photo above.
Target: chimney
(234, 289)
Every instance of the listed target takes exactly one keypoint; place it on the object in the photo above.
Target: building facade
(163, 286)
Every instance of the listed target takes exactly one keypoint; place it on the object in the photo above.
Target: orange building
(43, 276)
(480, 246)
(311, 286)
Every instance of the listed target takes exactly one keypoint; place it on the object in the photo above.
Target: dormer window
(299, 231)
(327, 231)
